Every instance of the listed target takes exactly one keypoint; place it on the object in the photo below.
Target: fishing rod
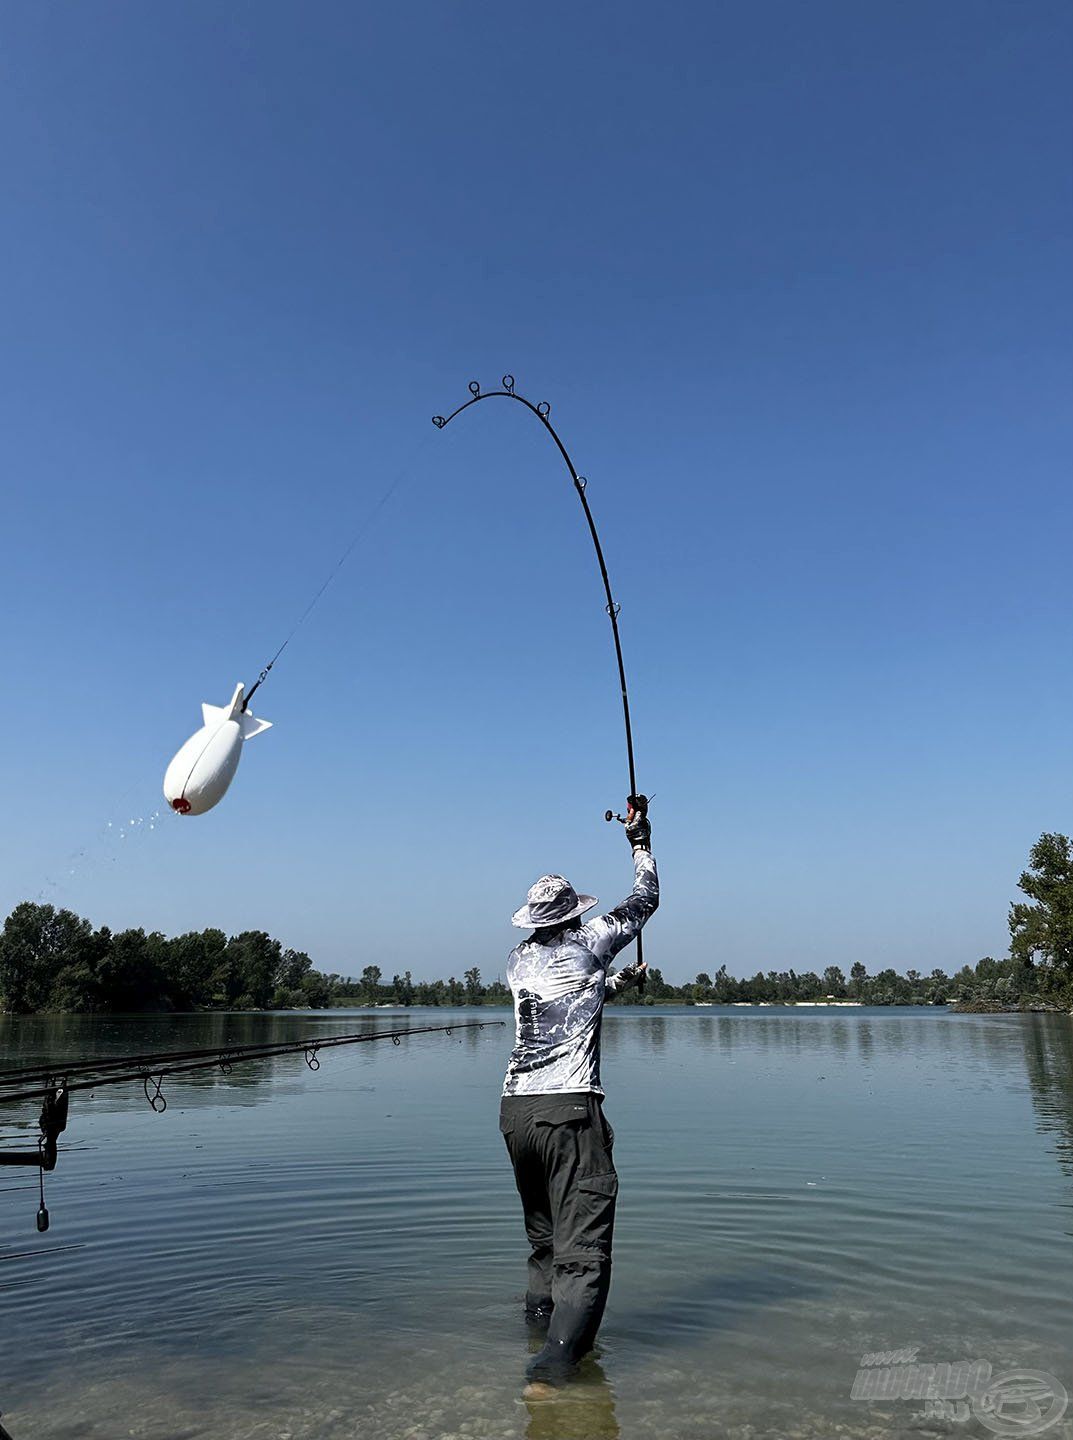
(50, 1071)
(225, 1056)
(542, 411)
(56, 1085)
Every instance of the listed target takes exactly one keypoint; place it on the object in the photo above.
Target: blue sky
(795, 280)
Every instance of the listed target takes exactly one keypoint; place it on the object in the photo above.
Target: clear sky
(796, 281)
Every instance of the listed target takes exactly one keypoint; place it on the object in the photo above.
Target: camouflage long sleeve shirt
(559, 990)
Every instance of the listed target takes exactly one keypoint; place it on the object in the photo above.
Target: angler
(551, 1113)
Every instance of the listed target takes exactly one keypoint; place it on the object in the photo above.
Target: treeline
(998, 980)
(371, 989)
(54, 960)
(1037, 973)
(1001, 981)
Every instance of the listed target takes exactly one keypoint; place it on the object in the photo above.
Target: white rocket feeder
(198, 777)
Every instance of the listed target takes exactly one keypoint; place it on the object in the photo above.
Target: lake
(288, 1254)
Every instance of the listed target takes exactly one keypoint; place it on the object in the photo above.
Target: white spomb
(198, 777)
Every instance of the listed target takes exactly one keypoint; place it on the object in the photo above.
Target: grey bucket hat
(551, 901)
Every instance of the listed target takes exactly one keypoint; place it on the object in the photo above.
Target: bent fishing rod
(542, 411)
(54, 1084)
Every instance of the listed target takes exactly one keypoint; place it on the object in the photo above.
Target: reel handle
(640, 803)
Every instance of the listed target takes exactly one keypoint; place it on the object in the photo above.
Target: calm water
(290, 1254)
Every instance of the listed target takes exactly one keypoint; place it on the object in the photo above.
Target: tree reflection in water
(1048, 1042)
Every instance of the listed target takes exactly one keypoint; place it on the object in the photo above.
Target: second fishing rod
(54, 1086)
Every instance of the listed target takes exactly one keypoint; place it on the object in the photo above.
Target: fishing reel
(638, 803)
(52, 1124)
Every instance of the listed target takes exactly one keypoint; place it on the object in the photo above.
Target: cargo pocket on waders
(601, 1187)
(594, 1214)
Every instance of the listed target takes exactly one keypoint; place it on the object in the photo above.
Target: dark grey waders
(560, 1147)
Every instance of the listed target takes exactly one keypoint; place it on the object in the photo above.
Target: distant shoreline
(992, 1007)
(788, 1004)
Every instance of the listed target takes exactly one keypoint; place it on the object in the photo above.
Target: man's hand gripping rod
(638, 832)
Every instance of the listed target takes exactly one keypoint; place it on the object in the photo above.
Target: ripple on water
(341, 1254)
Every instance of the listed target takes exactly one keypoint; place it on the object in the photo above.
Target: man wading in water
(551, 1113)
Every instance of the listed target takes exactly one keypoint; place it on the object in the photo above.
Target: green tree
(38, 942)
(656, 987)
(432, 993)
(370, 983)
(294, 966)
(887, 988)
(193, 965)
(79, 985)
(834, 982)
(1043, 930)
(126, 977)
(810, 986)
(938, 987)
(252, 966)
(725, 987)
(315, 990)
(473, 986)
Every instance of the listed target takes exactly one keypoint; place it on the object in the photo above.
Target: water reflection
(1048, 1047)
(583, 1410)
(719, 1300)
(796, 1188)
(53, 1040)
(656, 1032)
(864, 1041)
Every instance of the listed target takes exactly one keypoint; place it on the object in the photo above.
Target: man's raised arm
(610, 933)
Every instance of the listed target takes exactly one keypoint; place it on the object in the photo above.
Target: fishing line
(147, 819)
(367, 524)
